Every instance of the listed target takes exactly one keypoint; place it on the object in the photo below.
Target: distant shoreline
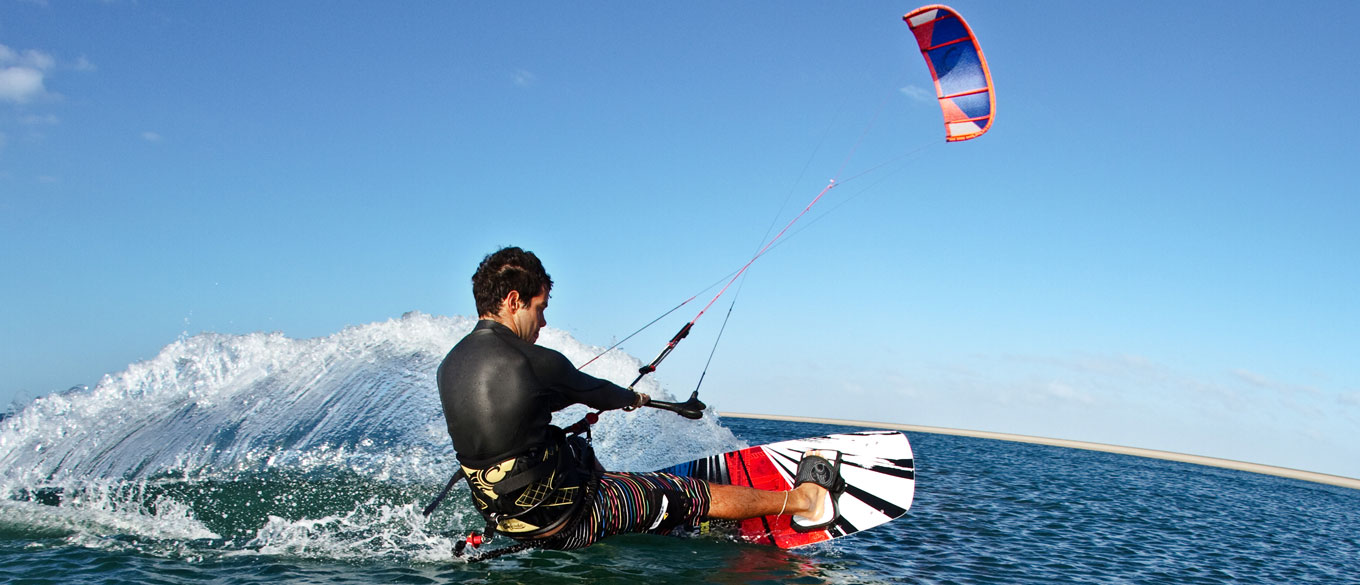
(1323, 478)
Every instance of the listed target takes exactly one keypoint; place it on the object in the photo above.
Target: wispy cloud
(150, 136)
(524, 78)
(1104, 382)
(1264, 383)
(1108, 398)
(1067, 393)
(918, 93)
(1348, 404)
(30, 58)
(39, 120)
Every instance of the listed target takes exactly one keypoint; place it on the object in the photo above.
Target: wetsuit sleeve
(575, 387)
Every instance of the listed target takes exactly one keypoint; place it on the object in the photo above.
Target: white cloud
(22, 74)
(151, 136)
(21, 84)
(37, 60)
(524, 78)
(30, 59)
(919, 93)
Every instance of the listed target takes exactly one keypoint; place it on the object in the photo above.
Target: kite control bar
(691, 409)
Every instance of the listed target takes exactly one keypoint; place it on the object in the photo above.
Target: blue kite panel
(947, 29)
(977, 105)
(958, 68)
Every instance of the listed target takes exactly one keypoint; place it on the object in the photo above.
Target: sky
(1154, 246)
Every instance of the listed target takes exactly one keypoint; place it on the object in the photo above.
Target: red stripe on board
(752, 529)
(763, 474)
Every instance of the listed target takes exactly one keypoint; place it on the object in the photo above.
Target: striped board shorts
(654, 503)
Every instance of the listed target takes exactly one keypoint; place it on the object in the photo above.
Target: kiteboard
(878, 470)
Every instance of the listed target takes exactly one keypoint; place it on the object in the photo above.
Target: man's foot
(823, 470)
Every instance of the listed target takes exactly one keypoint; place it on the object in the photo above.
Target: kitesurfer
(533, 482)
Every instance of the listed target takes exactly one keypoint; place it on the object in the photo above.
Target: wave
(262, 442)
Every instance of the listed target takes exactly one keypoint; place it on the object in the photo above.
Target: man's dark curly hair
(504, 270)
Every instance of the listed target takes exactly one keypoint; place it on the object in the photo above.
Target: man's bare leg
(731, 502)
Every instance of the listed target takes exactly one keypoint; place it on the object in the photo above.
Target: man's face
(529, 318)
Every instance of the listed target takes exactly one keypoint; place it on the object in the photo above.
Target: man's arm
(580, 388)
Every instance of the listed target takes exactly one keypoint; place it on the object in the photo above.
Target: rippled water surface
(986, 512)
(257, 459)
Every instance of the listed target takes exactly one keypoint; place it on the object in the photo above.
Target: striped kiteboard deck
(877, 466)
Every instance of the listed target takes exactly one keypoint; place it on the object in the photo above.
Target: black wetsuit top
(499, 393)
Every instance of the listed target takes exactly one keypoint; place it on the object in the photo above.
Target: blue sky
(1154, 246)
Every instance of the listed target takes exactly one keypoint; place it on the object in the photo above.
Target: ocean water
(263, 459)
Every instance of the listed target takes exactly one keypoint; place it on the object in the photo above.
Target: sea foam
(362, 401)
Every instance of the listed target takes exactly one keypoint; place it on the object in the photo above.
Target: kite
(962, 82)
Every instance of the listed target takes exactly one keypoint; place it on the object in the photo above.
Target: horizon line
(1299, 474)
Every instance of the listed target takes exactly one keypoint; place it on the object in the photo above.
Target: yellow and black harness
(533, 494)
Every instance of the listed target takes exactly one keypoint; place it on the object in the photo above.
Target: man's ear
(511, 302)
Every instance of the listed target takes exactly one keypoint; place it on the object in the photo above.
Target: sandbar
(1322, 478)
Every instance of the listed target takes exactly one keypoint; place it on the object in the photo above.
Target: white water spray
(362, 403)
